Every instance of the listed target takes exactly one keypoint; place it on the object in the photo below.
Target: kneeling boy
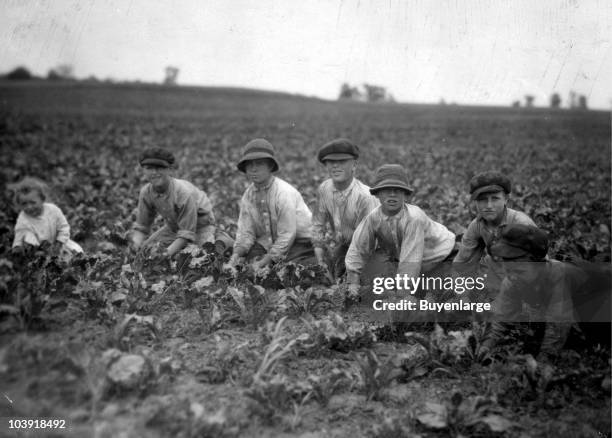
(274, 221)
(186, 210)
(405, 236)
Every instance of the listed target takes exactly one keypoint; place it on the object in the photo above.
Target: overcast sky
(465, 51)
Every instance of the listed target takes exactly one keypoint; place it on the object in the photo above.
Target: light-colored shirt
(183, 206)
(50, 226)
(342, 210)
(479, 235)
(411, 237)
(273, 216)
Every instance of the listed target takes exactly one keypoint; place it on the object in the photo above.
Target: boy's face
(158, 176)
(391, 200)
(32, 203)
(491, 205)
(340, 171)
(259, 171)
(522, 271)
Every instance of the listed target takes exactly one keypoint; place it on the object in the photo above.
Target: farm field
(210, 355)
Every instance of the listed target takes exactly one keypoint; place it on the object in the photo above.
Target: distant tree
(529, 100)
(171, 75)
(61, 72)
(582, 102)
(442, 102)
(516, 104)
(555, 100)
(20, 73)
(375, 93)
(349, 93)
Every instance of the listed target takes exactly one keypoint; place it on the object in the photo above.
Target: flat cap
(338, 149)
(518, 240)
(487, 182)
(391, 176)
(156, 157)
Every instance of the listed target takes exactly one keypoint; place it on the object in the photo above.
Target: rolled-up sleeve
(362, 246)
(319, 220)
(205, 210)
(413, 247)
(286, 227)
(245, 235)
(146, 213)
(187, 218)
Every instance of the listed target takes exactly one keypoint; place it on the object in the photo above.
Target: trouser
(335, 259)
(510, 306)
(381, 265)
(165, 236)
(300, 252)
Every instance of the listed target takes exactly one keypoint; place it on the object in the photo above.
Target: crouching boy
(342, 203)
(534, 288)
(186, 210)
(408, 241)
(490, 191)
(274, 221)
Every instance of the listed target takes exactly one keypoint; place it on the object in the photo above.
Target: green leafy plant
(375, 374)
(461, 416)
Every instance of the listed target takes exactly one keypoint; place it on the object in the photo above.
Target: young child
(342, 203)
(407, 238)
(544, 287)
(186, 210)
(274, 221)
(40, 221)
(490, 191)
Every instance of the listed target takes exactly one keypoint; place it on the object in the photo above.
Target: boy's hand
(257, 265)
(353, 291)
(137, 239)
(230, 266)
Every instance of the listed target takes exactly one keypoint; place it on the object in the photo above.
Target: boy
(186, 210)
(407, 238)
(544, 287)
(274, 222)
(38, 220)
(342, 202)
(490, 192)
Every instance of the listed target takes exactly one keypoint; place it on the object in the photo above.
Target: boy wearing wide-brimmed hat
(274, 221)
(187, 210)
(410, 241)
(536, 288)
(342, 203)
(489, 191)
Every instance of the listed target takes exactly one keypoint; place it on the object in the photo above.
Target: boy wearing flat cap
(411, 241)
(489, 190)
(342, 203)
(274, 221)
(533, 282)
(186, 210)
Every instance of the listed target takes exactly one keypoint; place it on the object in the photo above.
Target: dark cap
(391, 176)
(338, 149)
(257, 149)
(156, 157)
(518, 240)
(488, 182)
